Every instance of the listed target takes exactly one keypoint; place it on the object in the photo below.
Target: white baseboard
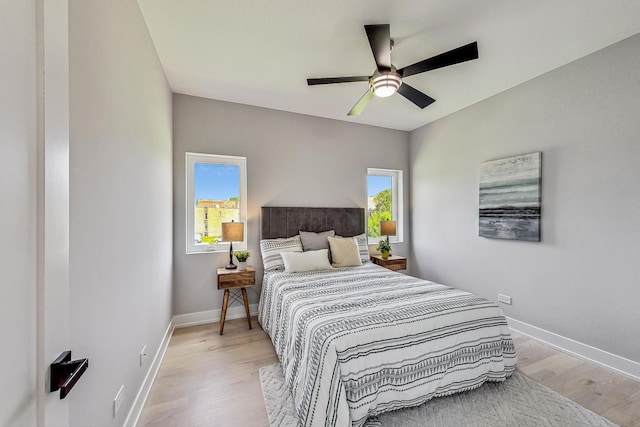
(210, 316)
(178, 321)
(611, 361)
(145, 388)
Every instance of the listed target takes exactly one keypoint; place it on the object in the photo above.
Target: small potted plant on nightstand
(384, 247)
(242, 257)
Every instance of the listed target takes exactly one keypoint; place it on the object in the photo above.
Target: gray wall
(292, 160)
(18, 222)
(120, 204)
(582, 281)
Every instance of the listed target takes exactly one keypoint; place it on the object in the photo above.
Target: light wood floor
(212, 380)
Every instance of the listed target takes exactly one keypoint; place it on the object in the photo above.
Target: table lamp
(232, 232)
(388, 228)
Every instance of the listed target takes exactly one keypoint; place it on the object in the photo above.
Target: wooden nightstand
(235, 279)
(394, 262)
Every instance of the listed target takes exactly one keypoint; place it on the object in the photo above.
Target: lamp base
(231, 265)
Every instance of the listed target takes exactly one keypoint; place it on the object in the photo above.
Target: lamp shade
(388, 228)
(386, 83)
(232, 231)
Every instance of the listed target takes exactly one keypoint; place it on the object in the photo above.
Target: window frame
(397, 201)
(190, 160)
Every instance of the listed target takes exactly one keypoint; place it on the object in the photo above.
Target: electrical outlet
(117, 401)
(505, 299)
(143, 355)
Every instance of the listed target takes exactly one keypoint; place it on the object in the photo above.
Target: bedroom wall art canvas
(510, 198)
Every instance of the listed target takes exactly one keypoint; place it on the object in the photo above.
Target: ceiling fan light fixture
(386, 83)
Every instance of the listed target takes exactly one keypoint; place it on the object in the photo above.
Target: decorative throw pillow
(363, 248)
(272, 248)
(315, 241)
(306, 261)
(344, 251)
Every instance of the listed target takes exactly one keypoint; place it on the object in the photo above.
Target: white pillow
(344, 251)
(306, 261)
(272, 248)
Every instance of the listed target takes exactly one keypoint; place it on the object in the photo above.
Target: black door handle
(65, 373)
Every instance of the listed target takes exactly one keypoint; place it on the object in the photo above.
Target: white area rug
(517, 402)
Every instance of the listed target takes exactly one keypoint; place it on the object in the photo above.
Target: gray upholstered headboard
(278, 222)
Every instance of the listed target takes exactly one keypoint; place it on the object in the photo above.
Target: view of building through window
(216, 199)
(216, 193)
(379, 202)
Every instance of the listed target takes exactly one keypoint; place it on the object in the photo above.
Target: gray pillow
(315, 241)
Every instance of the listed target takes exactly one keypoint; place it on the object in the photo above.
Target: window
(216, 193)
(384, 202)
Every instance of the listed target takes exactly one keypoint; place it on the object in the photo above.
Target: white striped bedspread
(355, 342)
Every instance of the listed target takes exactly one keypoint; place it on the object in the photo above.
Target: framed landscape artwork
(510, 198)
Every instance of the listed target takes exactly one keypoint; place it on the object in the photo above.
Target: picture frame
(509, 198)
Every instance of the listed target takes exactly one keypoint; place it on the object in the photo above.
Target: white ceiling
(260, 52)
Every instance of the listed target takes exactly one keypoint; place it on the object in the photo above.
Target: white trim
(143, 393)
(586, 352)
(49, 135)
(190, 160)
(397, 200)
(211, 316)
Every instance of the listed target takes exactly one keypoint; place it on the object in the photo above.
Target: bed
(358, 341)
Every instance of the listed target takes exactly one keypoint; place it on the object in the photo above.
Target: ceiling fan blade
(361, 104)
(330, 80)
(414, 95)
(380, 41)
(454, 56)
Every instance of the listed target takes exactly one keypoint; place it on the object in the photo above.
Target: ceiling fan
(387, 80)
